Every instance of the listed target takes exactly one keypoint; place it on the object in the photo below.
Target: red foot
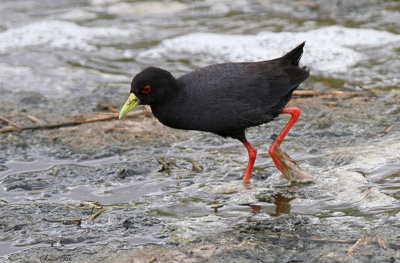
(282, 161)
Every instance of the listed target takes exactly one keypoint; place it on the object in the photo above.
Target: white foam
(146, 8)
(328, 49)
(78, 15)
(57, 34)
(347, 185)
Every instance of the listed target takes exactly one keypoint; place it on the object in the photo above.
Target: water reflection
(282, 204)
(255, 209)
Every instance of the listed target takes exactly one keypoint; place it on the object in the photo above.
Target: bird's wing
(238, 95)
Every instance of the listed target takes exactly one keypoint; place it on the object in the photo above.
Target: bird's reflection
(255, 209)
(282, 205)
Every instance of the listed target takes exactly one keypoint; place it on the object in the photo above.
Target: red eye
(146, 89)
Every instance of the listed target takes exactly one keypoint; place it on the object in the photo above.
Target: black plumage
(224, 99)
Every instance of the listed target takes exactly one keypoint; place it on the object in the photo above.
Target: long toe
(291, 170)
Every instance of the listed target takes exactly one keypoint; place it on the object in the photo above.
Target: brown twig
(32, 118)
(246, 242)
(108, 106)
(387, 129)
(196, 167)
(96, 214)
(381, 242)
(350, 250)
(311, 93)
(107, 117)
(331, 103)
(10, 122)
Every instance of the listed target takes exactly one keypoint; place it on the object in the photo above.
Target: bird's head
(149, 87)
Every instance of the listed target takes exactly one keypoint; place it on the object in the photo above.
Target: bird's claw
(291, 169)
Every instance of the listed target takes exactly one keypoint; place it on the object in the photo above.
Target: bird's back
(233, 96)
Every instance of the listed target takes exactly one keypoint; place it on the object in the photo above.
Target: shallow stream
(104, 191)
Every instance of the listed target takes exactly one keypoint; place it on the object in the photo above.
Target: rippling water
(64, 57)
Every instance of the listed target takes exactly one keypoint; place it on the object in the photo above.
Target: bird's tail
(294, 56)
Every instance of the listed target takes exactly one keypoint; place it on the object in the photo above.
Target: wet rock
(32, 98)
(166, 164)
(139, 221)
(3, 168)
(21, 183)
(127, 172)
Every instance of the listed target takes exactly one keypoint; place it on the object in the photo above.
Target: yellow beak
(131, 103)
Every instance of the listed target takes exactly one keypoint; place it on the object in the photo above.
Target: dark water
(65, 57)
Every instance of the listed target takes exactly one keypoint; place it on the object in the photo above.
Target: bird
(226, 99)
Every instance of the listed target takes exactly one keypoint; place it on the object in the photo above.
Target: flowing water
(60, 58)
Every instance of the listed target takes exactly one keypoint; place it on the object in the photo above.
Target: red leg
(295, 116)
(252, 158)
(282, 160)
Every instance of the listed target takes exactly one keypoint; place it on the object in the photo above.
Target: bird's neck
(172, 94)
(166, 110)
